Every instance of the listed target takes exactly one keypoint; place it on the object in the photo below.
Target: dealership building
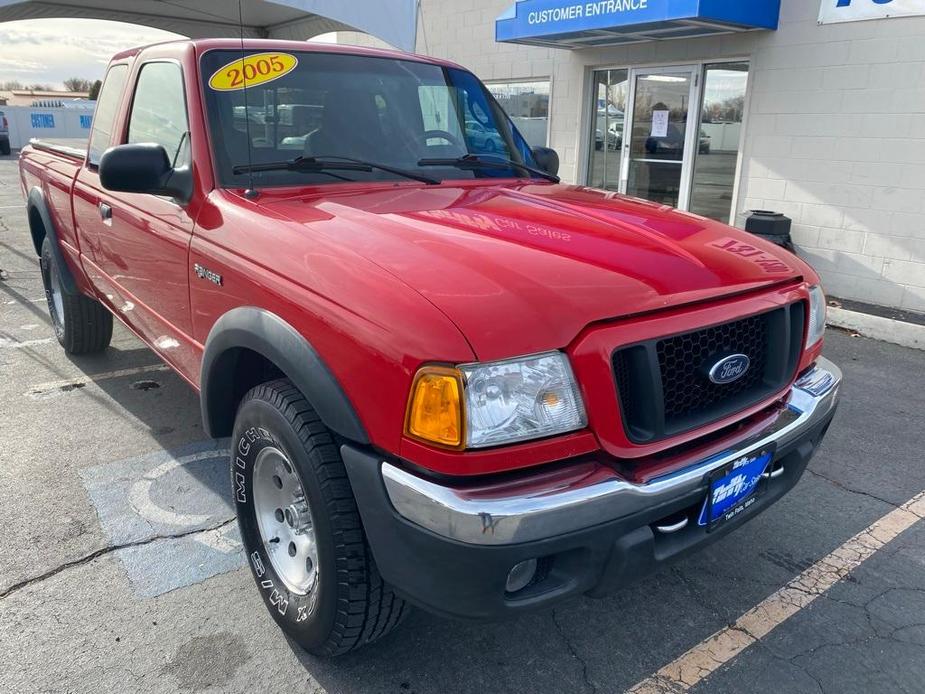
(811, 108)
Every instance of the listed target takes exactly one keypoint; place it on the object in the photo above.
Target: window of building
(159, 111)
(106, 109)
(610, 93)
(649, 139)
(723, 111)
(527, 104)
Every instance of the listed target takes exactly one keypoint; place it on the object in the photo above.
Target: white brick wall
(847, 102)
(835, 136)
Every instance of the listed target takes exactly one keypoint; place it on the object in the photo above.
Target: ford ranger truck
(448, 379)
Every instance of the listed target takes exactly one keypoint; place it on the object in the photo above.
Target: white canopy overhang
(393, 21)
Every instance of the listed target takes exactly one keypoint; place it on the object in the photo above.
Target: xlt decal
(766, 262)
(204, 274)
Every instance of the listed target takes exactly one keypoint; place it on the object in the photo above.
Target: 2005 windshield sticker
(259, 68)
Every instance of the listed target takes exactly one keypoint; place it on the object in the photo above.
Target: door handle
(105, 211)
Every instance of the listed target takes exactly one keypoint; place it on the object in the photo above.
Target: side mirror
(144, 168)
(547, 159)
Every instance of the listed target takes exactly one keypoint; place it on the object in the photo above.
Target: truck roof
(203, 45)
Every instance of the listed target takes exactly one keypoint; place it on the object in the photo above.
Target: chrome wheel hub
(297, 517)
(55, 297)
(285, 521)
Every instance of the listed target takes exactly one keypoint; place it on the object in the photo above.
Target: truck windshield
(399, 114)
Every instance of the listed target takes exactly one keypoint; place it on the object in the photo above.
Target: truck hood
(524, 268)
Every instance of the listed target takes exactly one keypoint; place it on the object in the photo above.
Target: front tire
(82, 325)
(300, 526)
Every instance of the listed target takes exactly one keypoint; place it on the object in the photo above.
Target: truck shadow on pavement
(37, 309)
(582, 645)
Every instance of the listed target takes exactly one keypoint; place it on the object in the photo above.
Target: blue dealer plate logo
(734, 488)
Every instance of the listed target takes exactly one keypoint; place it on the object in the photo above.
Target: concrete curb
(878, 328)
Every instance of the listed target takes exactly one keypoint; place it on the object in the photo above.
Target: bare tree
(10, 85)
(95, 90)
(77, 84)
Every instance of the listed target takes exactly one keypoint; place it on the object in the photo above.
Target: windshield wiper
(487, 161)
(330, 163)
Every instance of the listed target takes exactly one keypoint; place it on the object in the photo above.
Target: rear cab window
(107, 108)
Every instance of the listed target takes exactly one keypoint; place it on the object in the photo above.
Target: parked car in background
(4, 134)
(671, 146)
(604, 107)
(448, 378)
(483, 139)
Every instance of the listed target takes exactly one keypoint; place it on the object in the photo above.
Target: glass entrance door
(660, 145)
(610, 92)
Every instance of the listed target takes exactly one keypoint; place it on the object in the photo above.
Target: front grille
(664, 387)
(681, 358)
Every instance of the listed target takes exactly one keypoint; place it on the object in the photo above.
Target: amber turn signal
(435, 412)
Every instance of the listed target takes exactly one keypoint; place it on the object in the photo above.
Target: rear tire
(82, 325)
(300, 526)
(4, 147)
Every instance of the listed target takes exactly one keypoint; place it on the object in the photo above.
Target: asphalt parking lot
(121, 570)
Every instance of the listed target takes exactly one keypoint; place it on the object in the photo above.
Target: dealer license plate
(734, 488)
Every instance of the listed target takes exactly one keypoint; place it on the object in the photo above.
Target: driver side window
(159, 111)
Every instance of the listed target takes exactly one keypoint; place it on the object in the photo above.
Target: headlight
(502, 402)
(521, 399)
(816, 316)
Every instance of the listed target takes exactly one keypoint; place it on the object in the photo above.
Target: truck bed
(70, 147)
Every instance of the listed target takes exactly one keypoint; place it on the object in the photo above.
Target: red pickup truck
(448, 378)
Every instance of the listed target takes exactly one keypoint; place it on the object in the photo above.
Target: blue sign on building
(86, 122)
(855, 10)
(586, 23)
(43, 120)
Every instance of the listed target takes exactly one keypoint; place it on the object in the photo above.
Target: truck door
(86, 194)
(142, 241)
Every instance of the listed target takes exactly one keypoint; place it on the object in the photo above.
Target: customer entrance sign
(580, 23)
(833, 11)
(578, 10)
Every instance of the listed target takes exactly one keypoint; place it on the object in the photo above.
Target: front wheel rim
(284, 519)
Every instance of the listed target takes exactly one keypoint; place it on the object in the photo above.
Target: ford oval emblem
(730, 369)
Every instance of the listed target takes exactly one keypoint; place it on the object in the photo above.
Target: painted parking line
(8, 343)
(717, 650)
(153, 508)
(12, 302)
(43, 389)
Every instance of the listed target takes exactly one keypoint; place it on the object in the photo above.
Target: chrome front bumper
(538, 507)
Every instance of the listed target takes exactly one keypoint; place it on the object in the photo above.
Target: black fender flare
(268, 335)
(36, 204)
